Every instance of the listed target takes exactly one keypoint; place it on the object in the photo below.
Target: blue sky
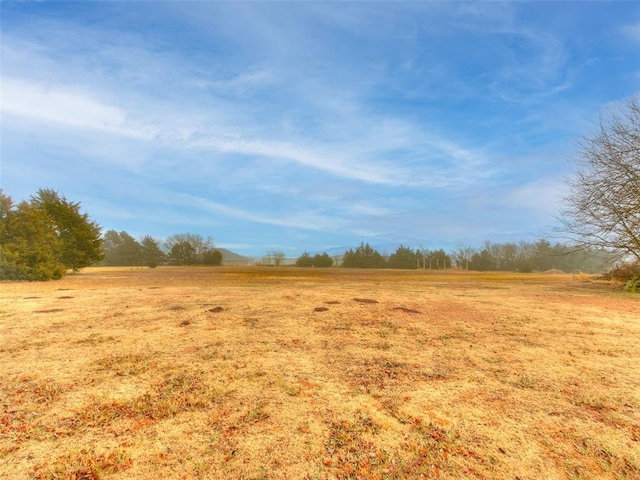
(310, 126)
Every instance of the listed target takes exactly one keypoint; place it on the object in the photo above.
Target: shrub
(623, 272)
(632, 285)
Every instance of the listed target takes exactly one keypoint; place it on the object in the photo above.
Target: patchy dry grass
(278, 373)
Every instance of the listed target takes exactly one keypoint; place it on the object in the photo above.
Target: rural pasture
(288, 373)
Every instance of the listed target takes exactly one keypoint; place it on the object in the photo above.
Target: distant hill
(232, 258)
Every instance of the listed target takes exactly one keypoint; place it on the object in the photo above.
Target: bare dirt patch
(365, 300)
(406, 310)
(433, 375)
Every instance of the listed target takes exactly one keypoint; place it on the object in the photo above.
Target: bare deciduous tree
(602, 206)
(188, 248)
(278, 257)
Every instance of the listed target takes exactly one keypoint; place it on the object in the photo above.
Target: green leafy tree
(363, 257)
(80, 240)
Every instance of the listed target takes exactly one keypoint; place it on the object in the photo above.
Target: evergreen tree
(182, 253)
(363, 257)
(304, 260)
(483, 261)
(29, 246)
(322, 260)
(150, 252)
(43, 238)
(437, 259)
(212, 257)
(319, 260)
(80, 241)
(544, 256)
(121, 249)
(403, 257)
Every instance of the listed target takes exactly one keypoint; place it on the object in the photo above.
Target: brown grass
(284, 373)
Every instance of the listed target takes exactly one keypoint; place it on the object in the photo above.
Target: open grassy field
(285, 373)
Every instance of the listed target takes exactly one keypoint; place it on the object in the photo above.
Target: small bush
(632, 285)
(629, 273)
(623, 272)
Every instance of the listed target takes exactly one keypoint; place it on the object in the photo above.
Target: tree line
(47, 236)
(515, 257)
(122, 249)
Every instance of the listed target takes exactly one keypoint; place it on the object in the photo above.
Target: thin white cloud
(68, 107)
(59, 106)
(307, 220)
(368, 209)
(241, 82)
(632, 32)
(73, 107)
(307, 117)
(347, 141)
(541, 196)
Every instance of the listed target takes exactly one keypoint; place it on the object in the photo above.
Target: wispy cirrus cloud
(333, 121)
(631, 31)
(305, 219)
(63, 106)
(361, 160)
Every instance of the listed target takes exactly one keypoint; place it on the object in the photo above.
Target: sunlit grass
(238, 373)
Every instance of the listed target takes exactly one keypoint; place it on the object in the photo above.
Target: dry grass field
(285, 373)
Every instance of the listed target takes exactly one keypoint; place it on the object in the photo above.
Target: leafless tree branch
(602, 206)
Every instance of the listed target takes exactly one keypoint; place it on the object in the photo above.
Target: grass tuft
(84, 464)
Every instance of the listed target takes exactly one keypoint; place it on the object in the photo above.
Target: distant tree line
(539, 256)
(45, 237)
(365, 256)
(122, 249)
(516, 257)
(318, 260)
